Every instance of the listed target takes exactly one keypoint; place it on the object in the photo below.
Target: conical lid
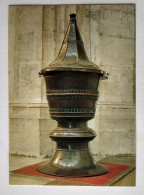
(72, 55)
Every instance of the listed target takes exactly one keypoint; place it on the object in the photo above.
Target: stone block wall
(35, 37)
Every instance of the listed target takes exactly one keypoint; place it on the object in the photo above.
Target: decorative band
(78, 115)
(72, 110)
(72, 97)
(71, 91)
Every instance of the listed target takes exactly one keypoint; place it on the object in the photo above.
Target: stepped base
(72, 157)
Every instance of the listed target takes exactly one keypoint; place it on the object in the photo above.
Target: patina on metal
(72, 82)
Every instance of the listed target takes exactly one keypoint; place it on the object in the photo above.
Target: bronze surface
(72, 82)
(72, 55)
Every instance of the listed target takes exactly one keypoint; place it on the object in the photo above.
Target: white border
(5, 188)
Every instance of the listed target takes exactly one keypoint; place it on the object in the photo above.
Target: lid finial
(73, 16)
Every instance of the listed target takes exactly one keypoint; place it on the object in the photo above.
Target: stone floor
(16, 162)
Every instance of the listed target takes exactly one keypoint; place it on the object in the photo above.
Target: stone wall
(35, 37)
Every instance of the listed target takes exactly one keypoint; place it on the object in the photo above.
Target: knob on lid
(73, 16)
